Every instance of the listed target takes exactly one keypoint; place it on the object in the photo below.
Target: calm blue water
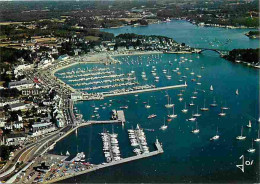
(201, 37)
(187, 157)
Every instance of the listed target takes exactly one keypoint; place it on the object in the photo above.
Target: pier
(145, 90)
(102, 96)
(104, 121)
(121, 161)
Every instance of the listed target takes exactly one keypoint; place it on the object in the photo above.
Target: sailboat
(169, 105)
(225, 107)
(197, 114)
(215, 137)
(204, 108)
(168, 76)
(252, 149)
(214, 103)
(241, 137)
(237, 93)
(185, 109)
(67, 153)
(258, 138)
(163, 127)
(76, 132)
(249, 124)
(195, 92)
(222, 113)
(195, 131)
(211, 88)
(147, 106)
(192, 118)
(191, 104)
(172, 115)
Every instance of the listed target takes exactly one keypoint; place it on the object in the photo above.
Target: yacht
(172, 115)
(67, 153)
(252, 149)
(258, 138)
(185, 110)
(241, 137)
(195, 131)
(249, 124)
(152, 116)
(215, 137)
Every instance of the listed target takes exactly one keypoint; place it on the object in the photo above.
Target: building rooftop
(16, 105)
(41, 125)
(17, 83)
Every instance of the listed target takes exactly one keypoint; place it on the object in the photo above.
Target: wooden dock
(123, 160)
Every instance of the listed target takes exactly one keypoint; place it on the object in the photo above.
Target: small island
(253, 34)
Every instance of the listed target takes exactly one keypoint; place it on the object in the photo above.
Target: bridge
(219, 51)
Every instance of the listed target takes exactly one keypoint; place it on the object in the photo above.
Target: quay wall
(100, 166)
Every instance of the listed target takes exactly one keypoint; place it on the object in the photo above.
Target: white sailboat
(258, 138)
(237, 93)
(249, 124)
(241, 137)
(197, 114)
(191, 104)
(222, 113)
(67, 153)
(214, 103)
(185, 110)
(172, 115)
(204, 108)
(163, 127)
(169, 105)
(211, 88)
(195, 131)
(192, 118)
(215, 137)
(252, 149)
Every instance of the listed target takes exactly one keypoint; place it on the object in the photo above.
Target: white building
(19, 106)
(15, 139)
(23, 84)
(18, 125)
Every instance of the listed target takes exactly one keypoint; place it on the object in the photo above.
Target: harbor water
(187, 157)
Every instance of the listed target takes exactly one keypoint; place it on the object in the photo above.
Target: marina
(112, 163)
(214, 134)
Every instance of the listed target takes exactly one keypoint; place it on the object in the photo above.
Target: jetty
(159, 150)
(101, 96)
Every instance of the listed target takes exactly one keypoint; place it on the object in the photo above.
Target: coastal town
(37, 96)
